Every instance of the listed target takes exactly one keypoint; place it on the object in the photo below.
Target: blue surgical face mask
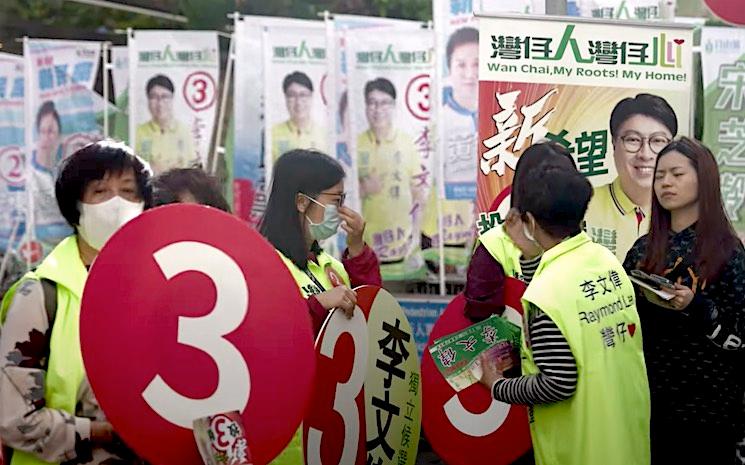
(330, 224)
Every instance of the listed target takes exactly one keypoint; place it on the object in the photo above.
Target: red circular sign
(182, 318)
(335, 430)
(417, 96)
(465, 427)
(200, 90)
(12, 166)
(728, 10)
(32, 251)
(350, 363)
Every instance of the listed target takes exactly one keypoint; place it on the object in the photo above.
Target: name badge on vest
(333, 276)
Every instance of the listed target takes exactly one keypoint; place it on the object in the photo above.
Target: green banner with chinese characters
(723, 66)
(614, 94)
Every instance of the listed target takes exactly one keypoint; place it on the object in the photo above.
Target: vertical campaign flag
(120, 81)
(342, 26)
(295, 90)
(620, 9)
(389, 107)
(173, 82)
(13, 205)
(557, 79)
(336, 35)
(62, 115)
(723, 63)
(249, 176)
(456, 109)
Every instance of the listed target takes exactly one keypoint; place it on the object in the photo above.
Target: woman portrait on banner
(387, 161)
(693, 342)
(49, 225)
(47, 410)
(619, 212)
(460, 104)
(583, 374)
(305, 206)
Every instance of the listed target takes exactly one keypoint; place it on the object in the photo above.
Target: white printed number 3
(206, 333)
(345, 395)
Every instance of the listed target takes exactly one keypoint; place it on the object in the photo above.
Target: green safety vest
(583, 288)
(504, 251)
(323, 270)
(65, 370)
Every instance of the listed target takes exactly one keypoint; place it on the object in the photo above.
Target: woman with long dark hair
(693, 342)
(306, 205)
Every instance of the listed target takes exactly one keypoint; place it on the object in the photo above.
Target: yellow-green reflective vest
(504, 251)
(65, 370)
(583, 288)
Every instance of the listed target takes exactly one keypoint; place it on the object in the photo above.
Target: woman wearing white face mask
(306, 205)
(47, 410)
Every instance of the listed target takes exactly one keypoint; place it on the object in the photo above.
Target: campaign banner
(564, 83)
(173, 82)
(723, 67)
(295, 91)
(250, 181)
(640, 10)
(120, 84)
(13, 200)
(389, 84)
(62, 114)
(456, 110)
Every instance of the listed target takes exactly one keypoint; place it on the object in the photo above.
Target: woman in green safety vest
(306, 205)
(584, 377)
(498, 257)
(48, 413)
(693, 343)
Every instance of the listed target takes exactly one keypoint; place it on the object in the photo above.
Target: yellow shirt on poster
(165, 148)
(614, 221)
(391, 164)
(286, 136)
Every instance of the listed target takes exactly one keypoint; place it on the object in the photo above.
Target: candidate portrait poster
(173, 82)
(558, 80)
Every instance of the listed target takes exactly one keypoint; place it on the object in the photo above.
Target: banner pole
(105, 46)
(223, 102)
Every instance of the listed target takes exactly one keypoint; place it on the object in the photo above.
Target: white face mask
(99, 221)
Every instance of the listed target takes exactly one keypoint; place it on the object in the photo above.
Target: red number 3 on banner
(200, 91)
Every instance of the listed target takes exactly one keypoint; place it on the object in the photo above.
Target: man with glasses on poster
(387, 162)
(619, 212)
(299, 131)
(164, 141)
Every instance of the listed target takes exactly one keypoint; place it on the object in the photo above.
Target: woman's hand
(681, 301)
(340, 297)
(683, 297)
(515, 229)
(354, 225)
(493, 369)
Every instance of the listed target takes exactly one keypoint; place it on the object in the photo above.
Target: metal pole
(106, 69)
(134, 9)
(223, 102)
(556, 7)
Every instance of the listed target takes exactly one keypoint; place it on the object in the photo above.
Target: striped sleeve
(557, 377)
(529, 267)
